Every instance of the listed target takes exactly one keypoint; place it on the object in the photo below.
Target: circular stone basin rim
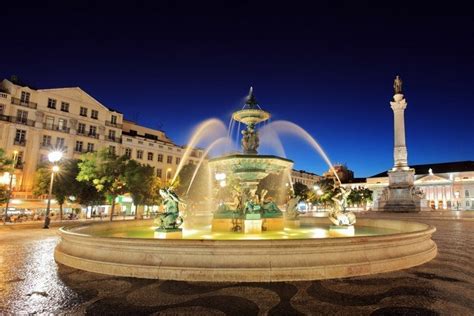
(246, 260)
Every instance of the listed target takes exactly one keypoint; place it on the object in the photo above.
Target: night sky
(327, 67)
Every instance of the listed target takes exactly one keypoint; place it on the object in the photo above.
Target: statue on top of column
(397, 85)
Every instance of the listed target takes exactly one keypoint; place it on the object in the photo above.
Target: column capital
(399, 103)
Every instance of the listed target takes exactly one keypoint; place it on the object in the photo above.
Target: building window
(112, 149)
(19, 159)
(92, 130)
(20, 136)
(51, 103)
(81, 128)
(60, 142)
(90, 147)
(160, 158)
(139, 154)
(150, 156)
(64, 106)
(178, 160)
(128, 152)
(94, 114)
(158, 173)
(22, 116)
(62, 124)
(2, 109)
(83, 111)
(49, 122)
(169, 159)
(111, 135)
(46, 141)
(468, 203)
(113, 119)
(466, 193)
(25, 97)
(79, 146)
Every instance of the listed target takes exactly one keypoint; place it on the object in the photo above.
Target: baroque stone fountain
(251, 210)
(250, 239)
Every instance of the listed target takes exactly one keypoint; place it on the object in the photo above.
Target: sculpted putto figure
(339, 216)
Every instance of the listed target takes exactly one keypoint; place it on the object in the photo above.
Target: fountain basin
(266, 260)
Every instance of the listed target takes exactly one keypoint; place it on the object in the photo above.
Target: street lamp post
(10, 185)
(456, 194)
(53, 157)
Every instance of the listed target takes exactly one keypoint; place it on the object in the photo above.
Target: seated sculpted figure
(268, 205)
(339, 215)
(170, 219)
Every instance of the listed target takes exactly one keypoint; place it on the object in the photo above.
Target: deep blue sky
(328, 68)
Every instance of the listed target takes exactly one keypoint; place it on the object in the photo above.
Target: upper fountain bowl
(251, 116)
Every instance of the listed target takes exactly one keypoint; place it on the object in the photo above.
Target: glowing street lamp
(53, 157)
(220, 176)
(10, 185)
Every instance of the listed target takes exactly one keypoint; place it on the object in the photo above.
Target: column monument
(401, 194)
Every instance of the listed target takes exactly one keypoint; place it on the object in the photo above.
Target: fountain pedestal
(272, 224)
(164, 234)
(253, 226)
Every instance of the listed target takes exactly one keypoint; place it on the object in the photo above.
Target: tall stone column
(400, 155)
(401, 194)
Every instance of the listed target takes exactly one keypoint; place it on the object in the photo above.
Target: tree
(360, 196)
(6, 165)
(140, 180)
(106, 171)
(301, 190)
(328, 188)
(65, 184)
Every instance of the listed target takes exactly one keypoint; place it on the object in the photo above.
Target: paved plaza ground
(31, 282)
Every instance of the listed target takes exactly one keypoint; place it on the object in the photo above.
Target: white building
(447, 186)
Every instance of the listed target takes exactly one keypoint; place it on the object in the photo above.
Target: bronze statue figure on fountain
(250, 140)
(170, 220)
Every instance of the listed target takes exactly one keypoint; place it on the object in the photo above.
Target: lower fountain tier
(250, 168)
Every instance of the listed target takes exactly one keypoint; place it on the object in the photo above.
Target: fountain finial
(251, 101)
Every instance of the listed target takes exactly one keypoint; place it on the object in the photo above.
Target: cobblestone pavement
(31, 282)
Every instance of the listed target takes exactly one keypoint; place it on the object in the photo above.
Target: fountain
(251, 237)
(251, 211)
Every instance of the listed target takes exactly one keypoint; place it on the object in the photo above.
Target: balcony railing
(19, 142)
(112, 124)
(28, 104)
(22, 120)
(114, 139)
(91, 135)
(79, 150)
(54, 127)
(17, 120)
(3, 95)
